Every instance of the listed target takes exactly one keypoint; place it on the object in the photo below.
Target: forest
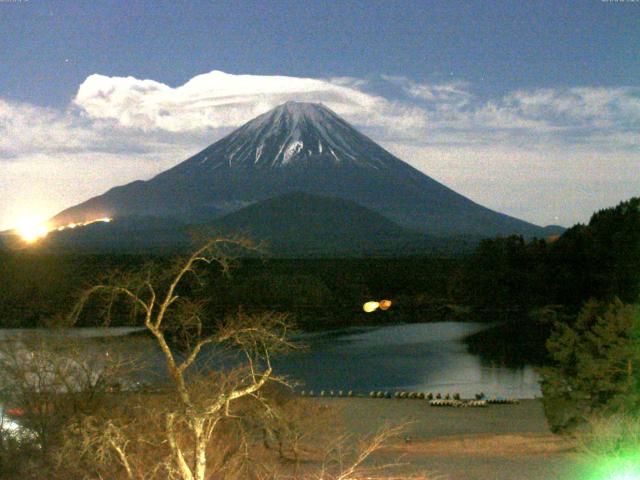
(504, 278)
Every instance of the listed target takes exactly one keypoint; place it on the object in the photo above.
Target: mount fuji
(306, 148)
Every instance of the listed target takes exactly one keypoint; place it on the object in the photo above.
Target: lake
(424, 357)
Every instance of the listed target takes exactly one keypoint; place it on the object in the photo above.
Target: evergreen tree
(596, 364)
(497, 273)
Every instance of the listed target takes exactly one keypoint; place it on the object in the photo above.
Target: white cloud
(545, 185)
(529, 153)
(27, 128)
(54, 159)
(211, 100)
(444, 96)
(578, 107)
(453, 105)
(217, 99)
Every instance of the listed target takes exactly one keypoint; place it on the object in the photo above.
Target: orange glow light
(385, 304)
(33, 230)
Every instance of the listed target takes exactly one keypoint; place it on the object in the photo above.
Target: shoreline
(497, 442)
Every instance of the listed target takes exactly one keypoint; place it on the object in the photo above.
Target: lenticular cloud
(211, 100)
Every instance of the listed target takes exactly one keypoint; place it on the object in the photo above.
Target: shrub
(596, 365)
(609, 448)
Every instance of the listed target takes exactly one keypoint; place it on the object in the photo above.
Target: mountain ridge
(295, 224)
(299, 147)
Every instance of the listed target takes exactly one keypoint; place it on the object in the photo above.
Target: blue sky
(531, 108)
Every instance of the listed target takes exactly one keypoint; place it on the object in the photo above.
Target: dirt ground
(497, 442)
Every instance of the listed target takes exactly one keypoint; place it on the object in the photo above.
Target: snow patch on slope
(292, 150)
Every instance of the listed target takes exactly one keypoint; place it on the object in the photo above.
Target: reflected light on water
(426, 357)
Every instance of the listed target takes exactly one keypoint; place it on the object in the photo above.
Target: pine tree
(596, 364)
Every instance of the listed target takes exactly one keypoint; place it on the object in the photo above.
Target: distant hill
(291, 225)
(135, 235)
(304, 223)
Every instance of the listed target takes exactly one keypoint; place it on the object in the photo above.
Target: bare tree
(197, 403)
(50, 377)
(47, 380)
(210, 419)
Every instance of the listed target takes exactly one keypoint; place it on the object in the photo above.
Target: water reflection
(429, 357)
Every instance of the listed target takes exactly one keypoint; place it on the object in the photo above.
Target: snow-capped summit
(294, 132)
(298, 147)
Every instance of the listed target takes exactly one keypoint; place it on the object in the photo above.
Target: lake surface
(424, 357)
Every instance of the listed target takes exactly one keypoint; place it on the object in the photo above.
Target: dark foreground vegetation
(575, 293)
(583, 291)
(82, 415)
(318, 293)
(598, 260)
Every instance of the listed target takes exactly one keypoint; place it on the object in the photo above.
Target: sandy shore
(498, 442)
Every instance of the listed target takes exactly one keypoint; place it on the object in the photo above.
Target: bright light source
(31, 230)
(626, 467)
(385, 304)
(373, 306)
(370, 306)
(624, 474)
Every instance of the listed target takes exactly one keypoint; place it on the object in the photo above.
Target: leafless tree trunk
(190, 424)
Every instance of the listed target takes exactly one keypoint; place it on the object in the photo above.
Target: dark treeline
(36, 287)
(599, 260)
(330, 292)
(504, 278)
(317, 292)
(536, 284)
